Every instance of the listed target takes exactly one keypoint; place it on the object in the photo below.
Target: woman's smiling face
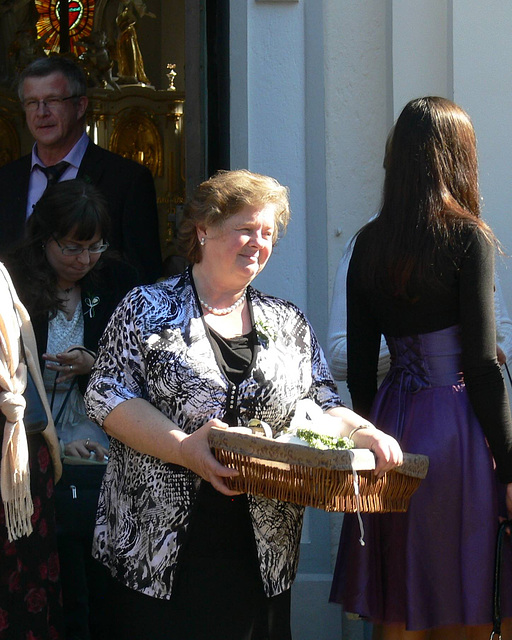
(235, 251)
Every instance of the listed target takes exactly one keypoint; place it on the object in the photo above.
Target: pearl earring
(202, 241)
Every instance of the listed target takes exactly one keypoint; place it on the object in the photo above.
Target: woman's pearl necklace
(224, 312)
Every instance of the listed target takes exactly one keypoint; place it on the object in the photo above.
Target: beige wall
(358, 115)
(381, 54)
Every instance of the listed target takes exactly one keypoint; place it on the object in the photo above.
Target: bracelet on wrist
(361, 426)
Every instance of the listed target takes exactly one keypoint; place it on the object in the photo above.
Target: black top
(234, 357)
(220, 539)
(464, 297)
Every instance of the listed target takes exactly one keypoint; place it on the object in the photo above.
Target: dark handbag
(35, 417)
(496, 602)
(77, 493)
(76, 498)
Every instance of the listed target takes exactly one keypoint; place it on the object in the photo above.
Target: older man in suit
(53, 94)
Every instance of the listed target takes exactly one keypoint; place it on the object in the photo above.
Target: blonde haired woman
(195, 561)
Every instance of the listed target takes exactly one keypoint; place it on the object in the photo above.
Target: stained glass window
(81, 16)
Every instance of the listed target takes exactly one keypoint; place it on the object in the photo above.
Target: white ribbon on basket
(309, 415)
(355, 476)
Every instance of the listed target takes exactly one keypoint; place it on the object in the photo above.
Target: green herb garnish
(319, 441)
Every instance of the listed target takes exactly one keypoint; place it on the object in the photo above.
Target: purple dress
(432, 566)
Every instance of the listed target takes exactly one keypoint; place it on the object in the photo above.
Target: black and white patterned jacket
(156, 347)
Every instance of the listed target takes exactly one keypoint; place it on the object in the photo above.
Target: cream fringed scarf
(15, 474)
(14, 466)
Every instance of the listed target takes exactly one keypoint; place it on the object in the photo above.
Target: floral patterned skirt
(30, 593)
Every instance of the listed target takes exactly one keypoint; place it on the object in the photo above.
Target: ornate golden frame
(136, 136)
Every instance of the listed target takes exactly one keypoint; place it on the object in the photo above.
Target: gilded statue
(96, 61)
(129, 57)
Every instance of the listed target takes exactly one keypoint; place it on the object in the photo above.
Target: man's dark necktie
(54, 172)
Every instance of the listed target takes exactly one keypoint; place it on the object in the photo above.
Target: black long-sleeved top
(464, 298)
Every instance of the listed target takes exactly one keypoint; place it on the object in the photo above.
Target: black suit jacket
(129, 190)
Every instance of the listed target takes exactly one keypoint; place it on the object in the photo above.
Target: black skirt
(218, 591)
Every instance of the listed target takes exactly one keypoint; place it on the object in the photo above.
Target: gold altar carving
(136, 137)
(146, 125)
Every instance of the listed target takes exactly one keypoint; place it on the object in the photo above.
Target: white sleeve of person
(503, 321)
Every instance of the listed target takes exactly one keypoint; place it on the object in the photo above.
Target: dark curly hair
(67, 208)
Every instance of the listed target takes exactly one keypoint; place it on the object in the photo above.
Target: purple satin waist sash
(421, 362)
(426, 360)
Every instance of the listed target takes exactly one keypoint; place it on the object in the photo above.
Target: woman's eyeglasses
(76, 251)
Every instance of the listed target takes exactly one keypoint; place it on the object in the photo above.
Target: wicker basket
(315, 478)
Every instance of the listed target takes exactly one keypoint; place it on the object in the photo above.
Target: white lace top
(73, 423)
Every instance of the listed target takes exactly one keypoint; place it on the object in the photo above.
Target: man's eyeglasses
(52, 103)
(76, 251)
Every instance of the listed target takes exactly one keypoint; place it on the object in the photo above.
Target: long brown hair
(430, 196)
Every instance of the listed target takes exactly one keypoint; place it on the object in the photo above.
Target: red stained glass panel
(81, 18)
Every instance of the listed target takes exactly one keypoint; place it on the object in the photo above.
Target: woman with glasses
(70, 289)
